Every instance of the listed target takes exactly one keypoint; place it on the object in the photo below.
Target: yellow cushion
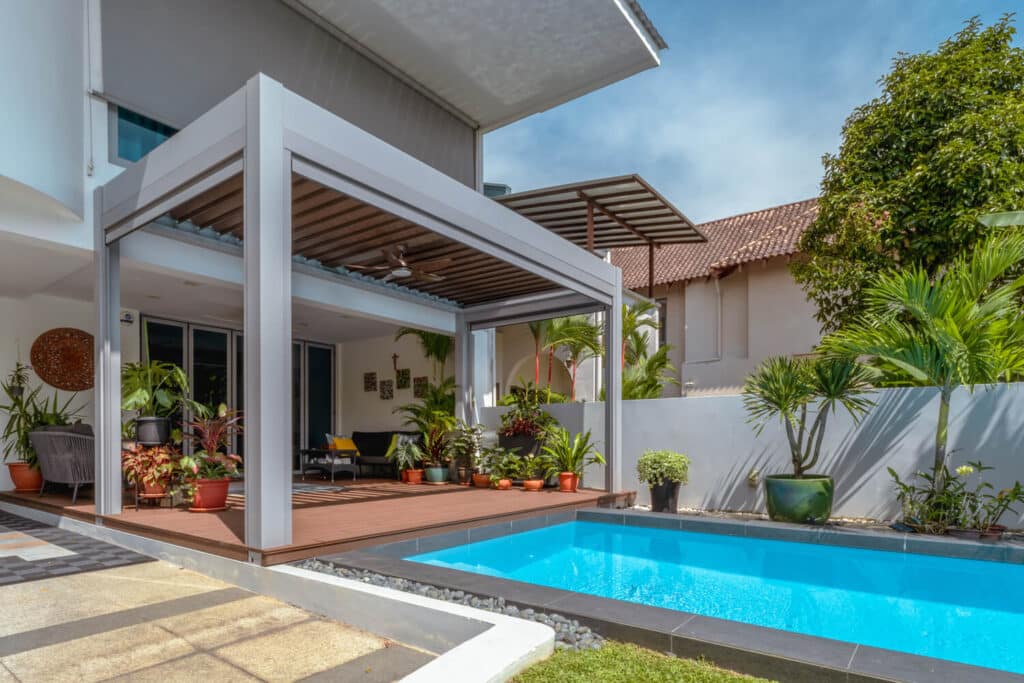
(343, 444)
(392, 446)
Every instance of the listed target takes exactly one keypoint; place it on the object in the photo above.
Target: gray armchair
(66, 456)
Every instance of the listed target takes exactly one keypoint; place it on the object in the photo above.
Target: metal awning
(608, 213)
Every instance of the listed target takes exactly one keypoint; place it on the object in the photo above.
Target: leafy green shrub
(657, 467)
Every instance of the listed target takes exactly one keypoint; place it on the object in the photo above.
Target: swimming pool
(966, 611)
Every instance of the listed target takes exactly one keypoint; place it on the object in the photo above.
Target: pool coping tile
(756, 650)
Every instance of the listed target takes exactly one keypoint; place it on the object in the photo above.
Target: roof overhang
(607, 213)
(493, 61)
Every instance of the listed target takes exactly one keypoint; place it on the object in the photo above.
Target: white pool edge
(507, 647)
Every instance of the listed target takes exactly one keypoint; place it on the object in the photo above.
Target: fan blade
(354, 266)
(435, 264)
(418, 274)
(387, 278)
(396, 256)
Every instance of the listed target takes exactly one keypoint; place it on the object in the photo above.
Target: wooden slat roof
(338, 230)
(628, 212)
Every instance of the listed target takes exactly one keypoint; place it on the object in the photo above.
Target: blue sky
(748, 97)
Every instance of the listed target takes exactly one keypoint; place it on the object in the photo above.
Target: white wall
(42, 129)
(24, 319)
(515, 361)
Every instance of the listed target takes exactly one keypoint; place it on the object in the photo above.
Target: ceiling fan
(399, 268)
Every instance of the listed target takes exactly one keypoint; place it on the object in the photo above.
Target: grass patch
(622, 662)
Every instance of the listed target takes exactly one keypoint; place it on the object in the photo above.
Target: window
(662, 305)
(138, 135)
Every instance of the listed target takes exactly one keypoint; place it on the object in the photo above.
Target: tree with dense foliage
(579, 338)
(942, 144)
(436, 347)
(960, 327)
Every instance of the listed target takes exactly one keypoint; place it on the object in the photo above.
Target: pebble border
(569, 633)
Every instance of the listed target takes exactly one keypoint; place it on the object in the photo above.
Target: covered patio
(296, 205)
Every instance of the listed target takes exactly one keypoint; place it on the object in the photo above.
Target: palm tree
(961, 327)
(581, 340)
(646, 375)
(436, 347)
(539, 330)
(634, 340)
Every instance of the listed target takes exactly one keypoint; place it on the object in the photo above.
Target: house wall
(763, 313)
(515, 361)
(203, 50)
(25, 318)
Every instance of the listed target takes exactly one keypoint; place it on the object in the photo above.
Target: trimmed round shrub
(656, 467)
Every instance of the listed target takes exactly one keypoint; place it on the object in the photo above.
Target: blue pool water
(962, 610)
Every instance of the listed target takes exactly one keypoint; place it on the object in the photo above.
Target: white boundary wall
(898, 432)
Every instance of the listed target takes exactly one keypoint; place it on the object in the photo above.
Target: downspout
(718, 319)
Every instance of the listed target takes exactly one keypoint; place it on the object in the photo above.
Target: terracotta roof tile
(731, 241)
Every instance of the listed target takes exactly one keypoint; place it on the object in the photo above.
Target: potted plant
(26, 413)
(535, 469)
(18, 380)
(208, 470)
(524, 426)
(154, 391)
(407, 455)
(149, 468)
(569, 456)
(663, 472)
(789, 389)
(465, 445)
(502, 466)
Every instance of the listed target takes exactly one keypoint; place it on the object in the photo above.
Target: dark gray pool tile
(653, 520)
(867, 540)
(898, 666)
(562, 517)
(529, 523)
(778, 531)
(1015, 553)
(755, 663)
(952, 547)
(603, 516)
(483, 533)
(707, 525)
(831, 654)
(621, 612)
(398, 548)
(450, 539)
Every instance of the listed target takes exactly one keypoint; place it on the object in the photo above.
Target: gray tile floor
(30, 551)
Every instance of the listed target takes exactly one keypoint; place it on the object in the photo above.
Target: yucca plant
(787, 389)
(961, 327)
(570, 453)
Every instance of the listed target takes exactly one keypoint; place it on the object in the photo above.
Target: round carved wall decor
(63, 358)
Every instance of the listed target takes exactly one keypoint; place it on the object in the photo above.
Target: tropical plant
(579, 338)
(570, 453)
(533, 393)
(18, 377)
(635, 339)
(655, 467)
(465, 444)
(149, 465)
(212, 428)
(787, 388)
(434, 417)
(645, 375)
(961, 327)
(535, 466)
(539, 332)
(155, 389)
(20, 422)
(525, 418)
(916, 166)
(406, 455)
(501, 463)
(436, 347)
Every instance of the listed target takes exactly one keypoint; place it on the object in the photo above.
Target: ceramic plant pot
(152, 431)
(414, 476)
(665, 497)
(405, 476)
(533, 484)
(26, 479)
(436, 475)
(481, 481)
(211, 495)
(503, 484)
(807, 500)
(157, 490)
(568, 482)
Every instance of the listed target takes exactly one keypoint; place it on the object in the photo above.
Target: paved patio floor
(153, 621)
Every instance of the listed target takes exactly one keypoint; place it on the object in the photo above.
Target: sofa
(372, 448)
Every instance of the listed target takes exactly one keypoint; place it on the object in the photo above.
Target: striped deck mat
(312, 495)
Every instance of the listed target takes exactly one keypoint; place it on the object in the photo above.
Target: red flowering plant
(212, 431)
(525, 418)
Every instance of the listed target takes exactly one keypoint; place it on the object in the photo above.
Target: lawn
(617, 662)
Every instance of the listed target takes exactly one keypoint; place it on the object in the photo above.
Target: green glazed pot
(436, 474)
(803, 501)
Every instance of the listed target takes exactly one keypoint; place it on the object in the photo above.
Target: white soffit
(496, 61)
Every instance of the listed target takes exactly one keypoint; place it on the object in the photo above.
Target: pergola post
(267, 257)
(613, 389)
(650, 270)
(107, 366)
(464, 408)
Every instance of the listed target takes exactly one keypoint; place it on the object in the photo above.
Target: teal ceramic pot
(436, 474)
(807, 500)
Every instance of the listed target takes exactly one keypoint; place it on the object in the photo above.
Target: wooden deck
(330, 518)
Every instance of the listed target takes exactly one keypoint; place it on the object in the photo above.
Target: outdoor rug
(31, 550)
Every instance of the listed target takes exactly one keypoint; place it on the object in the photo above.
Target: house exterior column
(107, 386)
(267, 255)
(613, 389)
(464, 361)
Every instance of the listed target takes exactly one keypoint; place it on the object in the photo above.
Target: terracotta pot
(414, 476)
(211, 495)
(405, 476)
(568, 482)
(157, 489)
(533, 484)
(503, 484)
(481, 481)
(25, 478)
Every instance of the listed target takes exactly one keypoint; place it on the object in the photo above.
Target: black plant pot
(152, 431)
(665, 497)
(524, 445)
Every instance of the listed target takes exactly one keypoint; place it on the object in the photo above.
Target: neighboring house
(730, 302)
(94, 85)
